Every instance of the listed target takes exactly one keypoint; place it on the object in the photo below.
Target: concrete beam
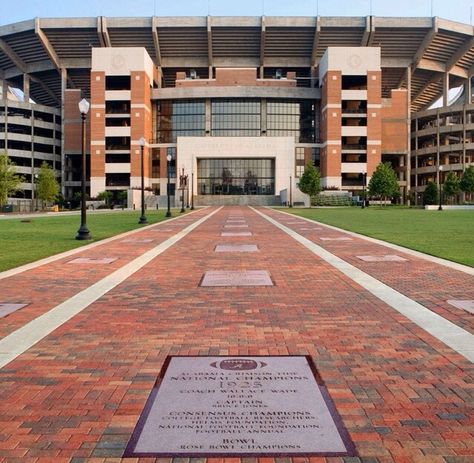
(368, 36)
(434, 79)
(460, 53)
(26, 87)
(317, 33)
(46, 89)
(445, 88)
(263, 34)
(47, 45)
(209, 44)
(234, 91)
(103, 32)
(17, 61)
(436, 66)
(427, 41)
(395, 62)
(156, 43)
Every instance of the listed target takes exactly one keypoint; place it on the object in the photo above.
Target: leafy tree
(451, 186)
(122, 197)
(467, 181)
(310, 181)
(9, 180)
(105, 196)
(47, 187)
(384, 182)
(430, 195)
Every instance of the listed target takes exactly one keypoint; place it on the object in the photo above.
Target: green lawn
(446, 234)
(23, 242)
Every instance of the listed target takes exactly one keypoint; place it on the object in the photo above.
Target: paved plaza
(390, 332)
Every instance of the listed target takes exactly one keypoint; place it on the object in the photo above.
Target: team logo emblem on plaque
(238, 364)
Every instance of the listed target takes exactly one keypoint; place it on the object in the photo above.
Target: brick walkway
(76, 395)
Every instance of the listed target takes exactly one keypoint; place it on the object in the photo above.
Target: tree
(105, 196)
(310, 181)
(451, 185)
(384, 182)
(9, 180)
(122, 197)
(467, 181)
(430, 195)
(47, 187)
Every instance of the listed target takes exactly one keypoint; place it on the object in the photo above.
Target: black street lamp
(168, 159)
(440, 207)
(83, 232)
(291, 194)
(182, 184)
(143, 219)
(192, 190)
(364, 181)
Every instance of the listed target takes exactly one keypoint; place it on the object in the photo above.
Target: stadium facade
(240, 103)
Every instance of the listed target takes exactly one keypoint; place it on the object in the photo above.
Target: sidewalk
(403, 394)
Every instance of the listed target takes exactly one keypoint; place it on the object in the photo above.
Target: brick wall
(72, 123)
(394, 123)
(226, 77)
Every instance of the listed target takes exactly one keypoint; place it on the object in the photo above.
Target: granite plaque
(385, 258)
(90, 260)
(237, 407)
(6, 308)
(327, 238)
(467, 305)
(236, 234)
(137, 241)
(236, 248)
(236, 278)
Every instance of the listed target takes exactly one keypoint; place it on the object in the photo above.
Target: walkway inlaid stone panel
(467, 305)
(6, 308)
(236, 226)
(386, 258)
(236, 234)
(90, 260)
(236, 248)
(326, 238)
(239, 406)
(138, 241)
(236, 278)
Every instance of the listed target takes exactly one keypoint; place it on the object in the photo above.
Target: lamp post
(168, 159)
(192, 190)
(440, 207)
(364, 181)
(143, 219)
(291, 194)
(182, 184)
(83, 232)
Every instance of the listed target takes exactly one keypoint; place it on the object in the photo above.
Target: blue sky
(456, 10)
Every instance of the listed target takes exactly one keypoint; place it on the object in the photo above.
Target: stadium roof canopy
(429, 46)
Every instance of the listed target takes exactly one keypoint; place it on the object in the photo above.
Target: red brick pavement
(77, 394)
(427, 283)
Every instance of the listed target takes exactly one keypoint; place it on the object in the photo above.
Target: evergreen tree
(384, 183)
(9, 180)
(451, 186)
(47, 187)
(467, 181)
(430, 195)
(310, 181)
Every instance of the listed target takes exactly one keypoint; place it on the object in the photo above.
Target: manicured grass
(446, 234)
(24, 242)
